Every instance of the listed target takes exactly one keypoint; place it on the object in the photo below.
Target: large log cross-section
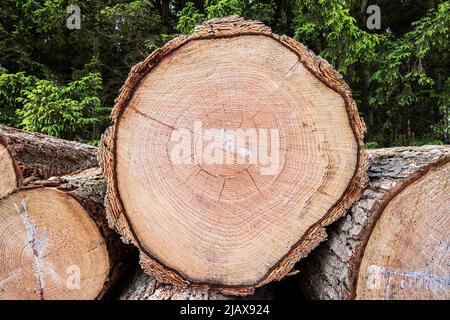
(231, 149)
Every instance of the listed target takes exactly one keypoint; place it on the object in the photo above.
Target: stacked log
(55, 242)
(233, 152)
(54, 238)
(39, 157)
(142, 286)
(393, 243)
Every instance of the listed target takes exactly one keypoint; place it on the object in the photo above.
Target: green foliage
(411, 83)
(371, 145)
(63, 111)
(11, 86)
(131, 23)
(189, 16)
(329, 28)
(425, 141)
(399, 75)
(223, 8)
(92, 142)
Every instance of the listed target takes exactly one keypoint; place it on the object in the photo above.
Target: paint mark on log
(406, 279)
(35, 245)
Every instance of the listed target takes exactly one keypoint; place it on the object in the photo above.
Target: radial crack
(221, 191)
(34, 245)
(254, 182)
(152, 118)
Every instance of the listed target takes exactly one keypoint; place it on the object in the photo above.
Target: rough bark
(40, 156)
(331, 271)
(138, 130)
(9, 171)
(89, 188)
(142, 286)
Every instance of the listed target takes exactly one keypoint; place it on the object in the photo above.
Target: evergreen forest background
(63, 81)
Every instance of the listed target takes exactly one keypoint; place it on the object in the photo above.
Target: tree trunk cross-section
(408, 253)
(50, 248)
(9, 173)
(226, 219)
(55, 242)
(394, 242)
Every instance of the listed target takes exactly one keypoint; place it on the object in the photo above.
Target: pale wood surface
(228, 226)
(408, 253)
(8, 175)
(414, 234)
(47, 242)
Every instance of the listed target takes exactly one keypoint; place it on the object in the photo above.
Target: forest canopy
(61, 79)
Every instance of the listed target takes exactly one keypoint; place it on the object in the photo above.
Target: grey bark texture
(329, 272)
(142, 286)
(39, 156)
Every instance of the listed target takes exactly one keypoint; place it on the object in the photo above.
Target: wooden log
(193, 181)
(394, 242)
(54, 239)
(38, 156)
(9, 172)
(55, 242)
(142, 286)
(20, 279)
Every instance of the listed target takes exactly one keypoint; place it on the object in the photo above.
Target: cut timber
(49, 249)
(9, 177)
(226, 219)
(55, 243)
(394, 242)
(407, 256)
(142, 286)
(39, 156)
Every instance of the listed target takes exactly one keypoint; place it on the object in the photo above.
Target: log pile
(38, 157)
(142, 286)
(222, 183)
(393, 243)
(54, 238)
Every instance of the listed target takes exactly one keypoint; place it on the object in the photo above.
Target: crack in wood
(152, 118)
(221, 191)
(34, 244)
(254, 182)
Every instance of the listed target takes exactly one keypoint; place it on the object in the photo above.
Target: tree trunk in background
(200, 4)
(40, 156)
(394, 242)
(165, 14)
(142, 286)
(231, 226)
